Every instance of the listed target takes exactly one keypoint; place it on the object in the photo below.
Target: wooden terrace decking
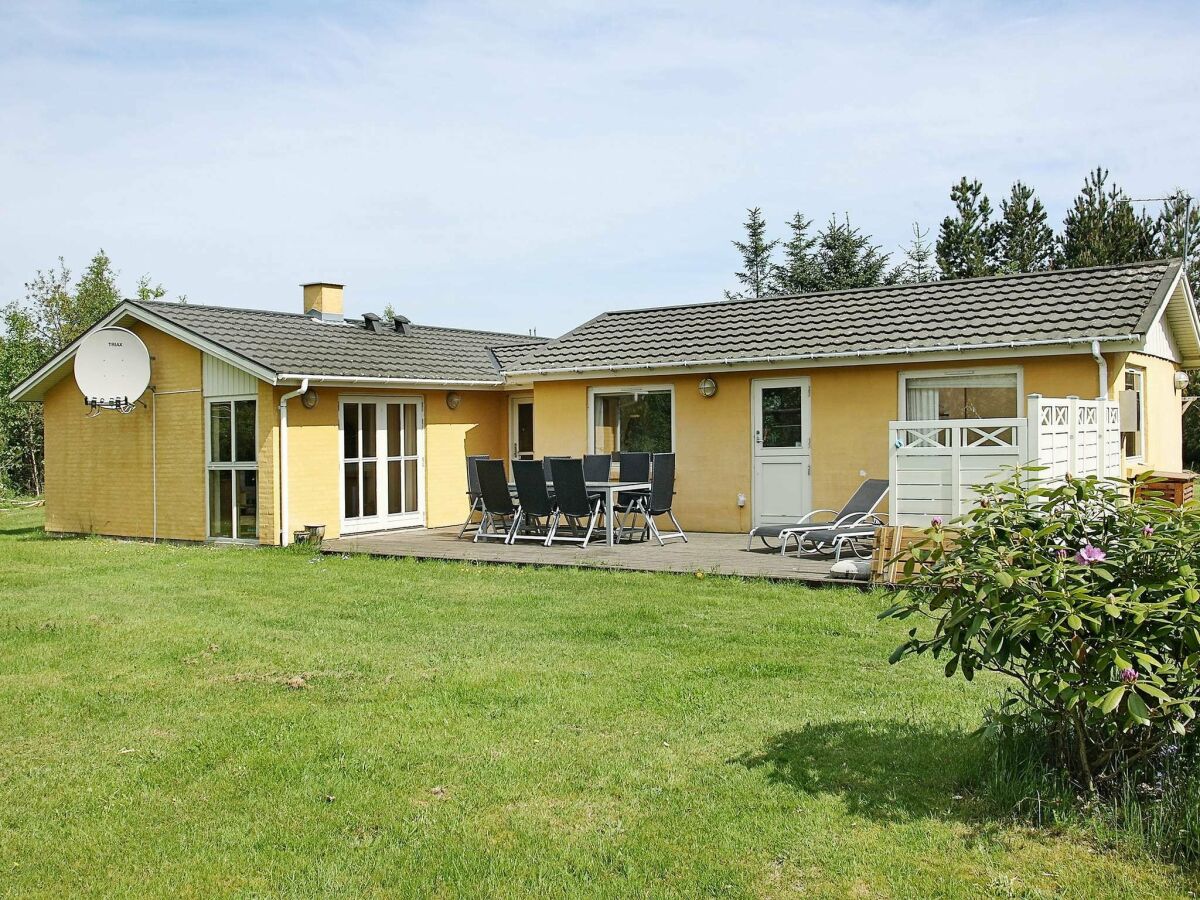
(712, 554)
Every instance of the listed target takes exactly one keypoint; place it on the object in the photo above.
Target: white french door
(782, 412)
(520, 426)
(383, 455)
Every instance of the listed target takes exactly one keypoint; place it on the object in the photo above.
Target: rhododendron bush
(1088, 601)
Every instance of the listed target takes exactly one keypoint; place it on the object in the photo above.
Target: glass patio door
(382, 471)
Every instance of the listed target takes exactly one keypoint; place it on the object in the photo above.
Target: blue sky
(519, 165)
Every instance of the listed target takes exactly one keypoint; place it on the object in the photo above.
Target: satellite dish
(112, 368)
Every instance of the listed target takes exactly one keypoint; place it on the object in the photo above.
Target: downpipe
(284, 531)
(1102, 364)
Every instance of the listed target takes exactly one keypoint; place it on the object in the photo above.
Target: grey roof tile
(294, 343)
(1047, 307)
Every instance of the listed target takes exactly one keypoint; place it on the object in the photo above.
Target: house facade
(257, 423)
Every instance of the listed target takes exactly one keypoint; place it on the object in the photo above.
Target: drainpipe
(284, 533)
(1102, 364)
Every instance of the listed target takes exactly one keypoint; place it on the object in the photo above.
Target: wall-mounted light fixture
(453, 399)
(708, 387)
(309, 398)
(1181, 380)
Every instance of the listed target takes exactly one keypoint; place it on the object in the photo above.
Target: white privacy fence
(936, 465)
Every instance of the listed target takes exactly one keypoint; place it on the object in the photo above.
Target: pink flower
(1088, 554)
(936, 521)
(1129, 676)
(1062, 553)
(1148, 530)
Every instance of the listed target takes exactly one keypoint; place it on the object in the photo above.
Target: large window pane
(367, 414)
(350, 487)
(965, 396)
(220, 432)
(393, 429)
(394, 487)
(350, 431)
(783, 416)
(634, 422)
(243, 428)
(410, 485)
(369, 499)
(247, 504)
(220, 503)
(410, 429)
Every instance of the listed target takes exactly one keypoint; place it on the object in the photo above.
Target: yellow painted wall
(851, 406)
(477, 426)
(98, 470)
(1163, 413)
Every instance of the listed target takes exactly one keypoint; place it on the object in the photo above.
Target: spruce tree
(1103, 228)
(1024, 240)
(1177, 234)
(847, 258)
(919, 264)
(967, 239)
(756, 251)
(800, 272)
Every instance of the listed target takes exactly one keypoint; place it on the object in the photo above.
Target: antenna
(112, 370)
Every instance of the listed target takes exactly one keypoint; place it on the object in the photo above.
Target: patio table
(609, 489)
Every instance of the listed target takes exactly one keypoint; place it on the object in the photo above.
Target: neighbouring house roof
(292, 343)
(1112, 303)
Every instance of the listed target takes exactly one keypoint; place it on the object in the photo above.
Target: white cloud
(506, 166)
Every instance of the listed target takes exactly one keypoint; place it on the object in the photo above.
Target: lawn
(470, 730)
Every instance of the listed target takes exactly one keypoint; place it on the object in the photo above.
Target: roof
(292, 343)
(1110, 303)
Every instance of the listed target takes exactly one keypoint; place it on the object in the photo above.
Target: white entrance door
(520, 427)
(782, 449)
(383, 456)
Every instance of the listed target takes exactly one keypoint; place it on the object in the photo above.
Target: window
(637, 420)
(1133, 413)
(233, 469)
(960, 395)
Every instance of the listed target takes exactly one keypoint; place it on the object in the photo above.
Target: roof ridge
(948, 282)
(174, 304)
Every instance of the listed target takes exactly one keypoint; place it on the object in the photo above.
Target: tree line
(57, 308)
(1104, 226)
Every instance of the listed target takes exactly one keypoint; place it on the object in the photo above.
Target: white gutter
(1102, 365)
(284, 534)
(355, 379)
(858, 354)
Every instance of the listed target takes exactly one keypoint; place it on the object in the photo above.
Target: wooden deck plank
(712, 554)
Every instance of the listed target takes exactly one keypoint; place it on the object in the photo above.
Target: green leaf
(1004, 578)
(1074, 622)
(1112, 699)
(1137, 708)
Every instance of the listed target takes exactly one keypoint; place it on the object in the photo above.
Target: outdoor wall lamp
(708, 387)
(309, 398)
(453, 399)
(1181, 380)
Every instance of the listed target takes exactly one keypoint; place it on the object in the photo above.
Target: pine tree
(919, 264)
(1103, 228)
(1177, 234)
(1024, 240)
(756, 251)
(800, 272)
(847, 258)
(966, 241)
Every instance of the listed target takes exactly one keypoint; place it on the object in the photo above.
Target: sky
(517, 166)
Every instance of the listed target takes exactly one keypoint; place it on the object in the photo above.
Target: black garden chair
(658, 502)
(472, 494)
(496, 501)
(535, 507)
(573, 503)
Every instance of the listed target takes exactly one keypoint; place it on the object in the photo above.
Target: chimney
(323, 300)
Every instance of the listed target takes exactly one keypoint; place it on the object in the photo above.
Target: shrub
(1090, 602)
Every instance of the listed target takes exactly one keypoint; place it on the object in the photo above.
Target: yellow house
(256, 424)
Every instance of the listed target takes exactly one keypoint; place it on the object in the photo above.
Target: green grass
(477, 731)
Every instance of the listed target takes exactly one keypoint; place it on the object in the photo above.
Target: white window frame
(1140, 371)
(381, 521)
(594, 392)
(906, 374)
(211, 466)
